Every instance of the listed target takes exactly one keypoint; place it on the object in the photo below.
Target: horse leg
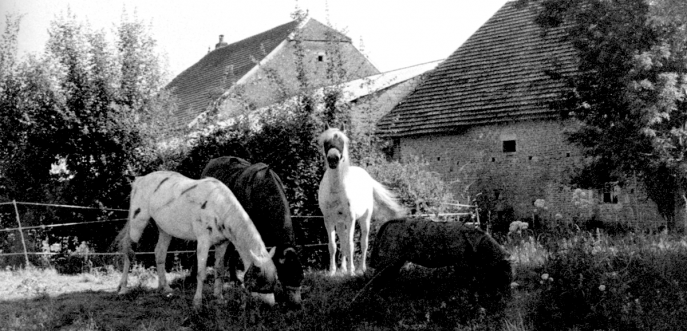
(203, 249)
(331, 234)
(160, 258)
(220, 250)
(364, 232)
(346, 232)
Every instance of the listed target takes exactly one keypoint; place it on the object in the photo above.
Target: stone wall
(540, 166)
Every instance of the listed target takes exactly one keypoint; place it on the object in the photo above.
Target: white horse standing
(348, 194)
(202, 210)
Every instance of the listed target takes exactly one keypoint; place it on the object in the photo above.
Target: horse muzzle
(267, 298)
(333, 158)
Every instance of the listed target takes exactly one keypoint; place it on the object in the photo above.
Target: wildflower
(558, 216)
(602, 287)
(514, 285)
(540, 203)
(545, 276)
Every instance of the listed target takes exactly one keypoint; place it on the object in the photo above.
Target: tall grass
(631, 282)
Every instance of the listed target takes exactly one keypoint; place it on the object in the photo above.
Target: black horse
(261, 193)
(470, 251)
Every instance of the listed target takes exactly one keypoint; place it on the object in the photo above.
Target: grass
(88, 302)
(559, 287)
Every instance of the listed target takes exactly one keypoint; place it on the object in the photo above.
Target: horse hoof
(123, 291)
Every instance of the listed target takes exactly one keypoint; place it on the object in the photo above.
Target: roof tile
(499, 74)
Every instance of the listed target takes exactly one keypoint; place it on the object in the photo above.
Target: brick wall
(474, 161)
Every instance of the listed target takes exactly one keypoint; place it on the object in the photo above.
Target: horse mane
(329, 133)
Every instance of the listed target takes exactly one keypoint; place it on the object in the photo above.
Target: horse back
(261, 193)
(426, 242)
(176, 202)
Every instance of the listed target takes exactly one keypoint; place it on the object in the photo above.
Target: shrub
(631, 283)
(417, 187)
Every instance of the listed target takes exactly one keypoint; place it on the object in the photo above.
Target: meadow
(585, 281)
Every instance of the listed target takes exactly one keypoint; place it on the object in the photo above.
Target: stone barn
(482, 119)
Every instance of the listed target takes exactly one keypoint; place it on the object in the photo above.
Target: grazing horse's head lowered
(203, 210)
(261, 192)
(470, 251)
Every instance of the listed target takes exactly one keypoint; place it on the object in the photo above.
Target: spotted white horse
(348, 194)
(202, 210)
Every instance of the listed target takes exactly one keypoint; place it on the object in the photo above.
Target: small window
(320, 58)
(509, 146)
(611, 191)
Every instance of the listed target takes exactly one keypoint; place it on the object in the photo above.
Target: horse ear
(343, 128)
(272, 251)
(326, 126)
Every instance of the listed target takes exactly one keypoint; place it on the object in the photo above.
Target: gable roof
(362, 87)
(498, 75)
(203, 81)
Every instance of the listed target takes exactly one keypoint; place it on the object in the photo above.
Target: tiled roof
(498, 75)
(204, 80)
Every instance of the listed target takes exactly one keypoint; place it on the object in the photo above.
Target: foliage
(417, 188)
(631, 283)
(629, 92)
(76, 120)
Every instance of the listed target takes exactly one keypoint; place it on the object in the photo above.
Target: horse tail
(123, 240)
(386, 206)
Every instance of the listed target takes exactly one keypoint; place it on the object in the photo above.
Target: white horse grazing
(202, 210)
(348, 194)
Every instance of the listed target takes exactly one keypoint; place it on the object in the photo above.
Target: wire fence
(26, 252)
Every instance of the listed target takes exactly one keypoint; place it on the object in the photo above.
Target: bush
(632, 283)
(418, 188)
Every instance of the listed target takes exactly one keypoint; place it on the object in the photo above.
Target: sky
(393, 34)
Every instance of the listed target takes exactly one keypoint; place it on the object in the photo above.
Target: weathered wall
(474, 160)
(260, 88)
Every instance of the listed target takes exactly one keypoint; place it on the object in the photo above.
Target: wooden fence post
(21, 233)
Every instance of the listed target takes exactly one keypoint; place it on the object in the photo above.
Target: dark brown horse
(261, 193)
(432, 244)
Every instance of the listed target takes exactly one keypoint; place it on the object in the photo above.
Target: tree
(88, 108)
(628, 93)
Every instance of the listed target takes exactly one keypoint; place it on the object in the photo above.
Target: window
(509, 146)
(320, 58)
(610, 192)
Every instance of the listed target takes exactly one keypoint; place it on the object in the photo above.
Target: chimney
(221, 42)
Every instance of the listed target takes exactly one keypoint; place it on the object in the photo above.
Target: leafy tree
(87, 108)
(628, 93)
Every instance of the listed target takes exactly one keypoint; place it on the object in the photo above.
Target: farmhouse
(260, 70)
(483, 120)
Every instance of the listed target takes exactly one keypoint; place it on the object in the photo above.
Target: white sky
(395, 34)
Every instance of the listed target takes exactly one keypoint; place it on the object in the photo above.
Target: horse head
(290, 273)
(334, 144)
(261, 276)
